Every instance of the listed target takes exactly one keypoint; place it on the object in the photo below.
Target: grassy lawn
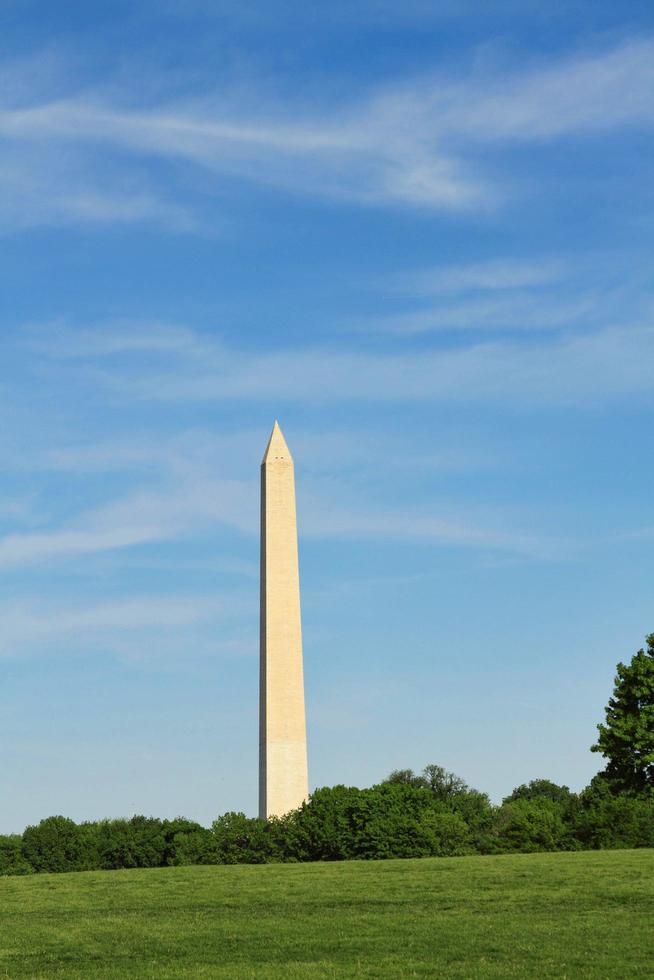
(540, 915)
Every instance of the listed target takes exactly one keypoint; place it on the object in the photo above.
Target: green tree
(528, 825)
(55, 844)
(394, 819)
(627, 738)
(406, 777)
(135, 843)
(538, 789)
(238, 839)
(443, 784)
(12, 861)
(187, 842)
(609, 819)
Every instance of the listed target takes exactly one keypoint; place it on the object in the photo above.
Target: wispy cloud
(351, 160)
(325, 519)
(187, 482)
(412, 143)
(122, 623)
(570, 368)
(44, 187)
(58, 340)
(491, 276)
(22, 549)
(586, 93)
(141, 517)
(575, 369)
(508, 295)
(519, 310)
(321, 449)
(196, 500)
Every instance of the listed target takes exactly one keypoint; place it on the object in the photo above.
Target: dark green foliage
(442, 784)
(55, 844)
(391, 820)
(607, 819)
(320, 830)
(405, 777)
(531, 825)
(136, 843)
(471, 806)
(238, 839)
(434, 814)
(539, 789)
(12, 861)
(627, 738)
(188, 842)
(477, 812)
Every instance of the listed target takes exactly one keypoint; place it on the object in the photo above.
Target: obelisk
(283, 779)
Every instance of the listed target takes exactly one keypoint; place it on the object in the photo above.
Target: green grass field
(538, 915)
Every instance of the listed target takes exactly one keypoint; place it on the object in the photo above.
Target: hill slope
(540, 915)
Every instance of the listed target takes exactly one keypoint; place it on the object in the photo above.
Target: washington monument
(283, 779)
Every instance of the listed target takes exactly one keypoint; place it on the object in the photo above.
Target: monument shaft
(283, 779)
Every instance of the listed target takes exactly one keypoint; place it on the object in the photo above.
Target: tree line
(430, 814)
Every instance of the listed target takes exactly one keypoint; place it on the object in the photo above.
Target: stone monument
(283, 778)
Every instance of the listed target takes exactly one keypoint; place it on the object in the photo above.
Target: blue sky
(422, 239)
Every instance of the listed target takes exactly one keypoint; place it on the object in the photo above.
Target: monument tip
(276, 448)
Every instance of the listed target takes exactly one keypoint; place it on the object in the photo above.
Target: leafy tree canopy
(405, 777)
(444, 785)
(627, 738)
(539, 789)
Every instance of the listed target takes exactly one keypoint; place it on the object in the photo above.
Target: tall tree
(627, 738)
(443, 784)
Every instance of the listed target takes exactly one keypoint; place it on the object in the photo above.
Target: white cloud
(573, 95)
(514, 311)
(576, 369)
(414, 143)
(564, 369)
(42, 187)
(504, 295)
(321, 449)
(23, 549)
(58, 340)
(196, 481)
(140, 517)
(322, 518)
(188, 482)
(577, 95)
(195, 502)
(345, 157)
(121, 623)
(492, 276)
